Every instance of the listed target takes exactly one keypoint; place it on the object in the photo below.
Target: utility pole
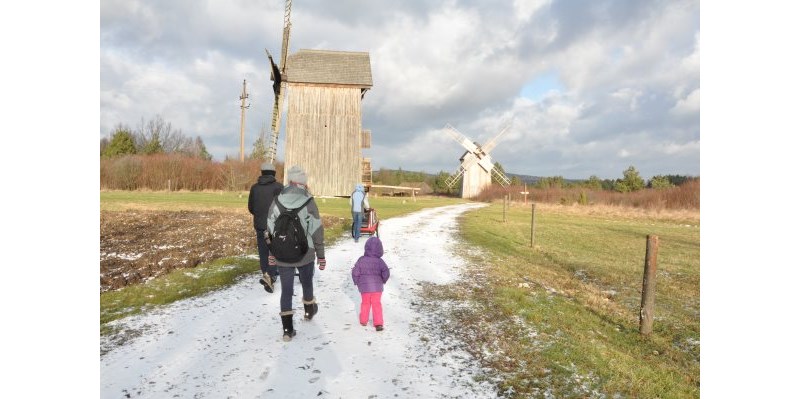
(243, 97)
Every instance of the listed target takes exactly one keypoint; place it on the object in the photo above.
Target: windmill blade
(278, 88)
(274, 74)
(493, 142)
(454, 178)
(461, 139)
(469, 160)
(278, 74)
(501, 177)
(486, 163)
(287, 27)
(272, 151)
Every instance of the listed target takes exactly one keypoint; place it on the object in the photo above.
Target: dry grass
(614, 211)
(683, 197)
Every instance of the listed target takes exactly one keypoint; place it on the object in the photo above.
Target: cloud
(582, 84)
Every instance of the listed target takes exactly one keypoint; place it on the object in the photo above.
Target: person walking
(370, 273)
(261, 195)
(295, 199)
(358, 203)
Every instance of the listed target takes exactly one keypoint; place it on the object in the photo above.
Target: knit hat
(297, 175)
(267, 166)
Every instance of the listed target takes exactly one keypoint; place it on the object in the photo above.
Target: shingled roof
(331, 67)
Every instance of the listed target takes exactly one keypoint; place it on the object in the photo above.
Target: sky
(588, 88)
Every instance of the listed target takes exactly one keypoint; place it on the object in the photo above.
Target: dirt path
(228, 343)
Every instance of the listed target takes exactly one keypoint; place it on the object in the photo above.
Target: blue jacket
(370, 272)
(358, 199)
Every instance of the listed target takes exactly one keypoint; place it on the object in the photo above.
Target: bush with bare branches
(178, 172)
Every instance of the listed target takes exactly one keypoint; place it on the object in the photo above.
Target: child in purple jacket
(370, 273)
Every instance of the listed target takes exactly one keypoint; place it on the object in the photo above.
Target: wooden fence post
(649, 286)
(504, 208)
(533, 221)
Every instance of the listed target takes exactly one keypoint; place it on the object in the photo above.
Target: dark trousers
(263, 254)
(287, 284)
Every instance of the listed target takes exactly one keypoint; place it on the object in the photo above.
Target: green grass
(186, 283)
(580, 291)
(176, 285)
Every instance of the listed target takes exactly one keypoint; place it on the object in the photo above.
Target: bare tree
(158, 135)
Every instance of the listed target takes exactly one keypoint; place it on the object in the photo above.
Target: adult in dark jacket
(293, 197)
(261, 196)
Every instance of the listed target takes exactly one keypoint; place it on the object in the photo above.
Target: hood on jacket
(373, 247)
(293, 196)
(360, 187)
(266, 179)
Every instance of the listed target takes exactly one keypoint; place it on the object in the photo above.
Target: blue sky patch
(539, 86)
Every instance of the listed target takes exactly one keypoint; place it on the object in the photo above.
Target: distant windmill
(324, 135)
(476, 169)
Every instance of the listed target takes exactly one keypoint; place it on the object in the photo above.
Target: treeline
(155, 136)
(175, 172)
(659, 192)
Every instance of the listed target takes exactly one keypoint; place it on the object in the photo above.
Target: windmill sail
(461, 139)
(473, 179)
(277, 74)
(493, 142)
(501, 177)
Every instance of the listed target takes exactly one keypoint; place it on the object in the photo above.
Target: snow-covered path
(228, 343)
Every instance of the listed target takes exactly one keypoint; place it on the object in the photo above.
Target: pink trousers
(371, 300)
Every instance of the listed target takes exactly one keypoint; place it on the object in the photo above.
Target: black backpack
(288, 241)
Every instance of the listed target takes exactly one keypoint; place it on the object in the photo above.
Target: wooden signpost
(649, 286)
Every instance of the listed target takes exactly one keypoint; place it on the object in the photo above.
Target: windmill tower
(476, 169)
(324, 135)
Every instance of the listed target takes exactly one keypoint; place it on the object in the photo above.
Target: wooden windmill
(476, 169)
(324, 135)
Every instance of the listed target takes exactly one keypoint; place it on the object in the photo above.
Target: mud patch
(138, 245)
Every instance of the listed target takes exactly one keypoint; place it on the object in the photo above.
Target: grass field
(570, 306)
(185, 283)
(557, 320)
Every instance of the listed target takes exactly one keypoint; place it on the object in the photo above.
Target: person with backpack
(261, 195)
(370, 273)
(296, 238)
(358, 203)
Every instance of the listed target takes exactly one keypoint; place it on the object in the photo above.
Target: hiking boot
(378, 328)
(288, 327)
(268, 282)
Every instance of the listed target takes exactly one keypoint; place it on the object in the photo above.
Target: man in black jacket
(261, 195)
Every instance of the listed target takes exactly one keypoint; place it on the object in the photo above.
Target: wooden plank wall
(323, 136)
(475, 179)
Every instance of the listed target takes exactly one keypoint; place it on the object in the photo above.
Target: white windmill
(476, 166)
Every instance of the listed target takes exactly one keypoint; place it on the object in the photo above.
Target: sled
(370, 223)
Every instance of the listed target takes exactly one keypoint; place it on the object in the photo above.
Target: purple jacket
(370, 272)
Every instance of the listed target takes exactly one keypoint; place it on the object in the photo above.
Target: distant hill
(393, 176)
(535, 179)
